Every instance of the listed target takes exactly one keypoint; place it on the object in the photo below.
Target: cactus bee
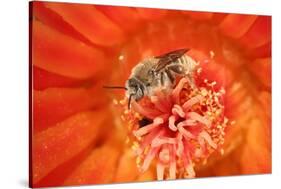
(159, 71)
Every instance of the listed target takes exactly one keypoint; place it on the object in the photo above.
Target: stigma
(183, 126)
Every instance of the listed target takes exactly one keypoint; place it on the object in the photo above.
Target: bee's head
(135, 90)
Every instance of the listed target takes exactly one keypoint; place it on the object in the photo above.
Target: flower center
(187, 125)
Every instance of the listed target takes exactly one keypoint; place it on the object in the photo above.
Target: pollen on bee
(168, 140)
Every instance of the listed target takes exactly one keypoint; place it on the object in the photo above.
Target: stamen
(188, 122)
(190, 170)
(147, 139)
(160, 102)
(187, 135)
(164, 155)
(144, 130)
(207, 137)
(172, 169)
(163, 140)
(180, 147)
(178, 110)
(151, 154)
(188, 125)
(187, 163)
(177, 90)
(198, 117)
(191, 102)
(146, 112)
(172, 125)
(160, 171)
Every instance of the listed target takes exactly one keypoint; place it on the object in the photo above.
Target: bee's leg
(180, 69)
(129, 101)
(162, 78)
(140, 92)
(170, 76)
(190, 80)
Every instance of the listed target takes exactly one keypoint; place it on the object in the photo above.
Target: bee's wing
(168, 58)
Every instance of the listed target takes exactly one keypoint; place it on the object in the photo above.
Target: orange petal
(261, 68)
(131, 55)
(90, 22)
(151, 13)
(260, 52)
(57, 176)
(235, 94)
(178, 34)
(211, 70)
(61, 54)
(127, 170)
(217, 18)
(154, 41)
(54, 20)
(55, 104)
(259, 34)
(149, 175)
(199, 15)
(125, 17)
(266, 101)
(66, 139)
(256, 156)
(236, 25)
(43, 79)
(98, 168)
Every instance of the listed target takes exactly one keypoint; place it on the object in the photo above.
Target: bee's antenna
(114, 87)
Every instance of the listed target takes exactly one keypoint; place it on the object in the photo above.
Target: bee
(159, 71)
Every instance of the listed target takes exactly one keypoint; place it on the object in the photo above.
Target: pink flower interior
(185, 125)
